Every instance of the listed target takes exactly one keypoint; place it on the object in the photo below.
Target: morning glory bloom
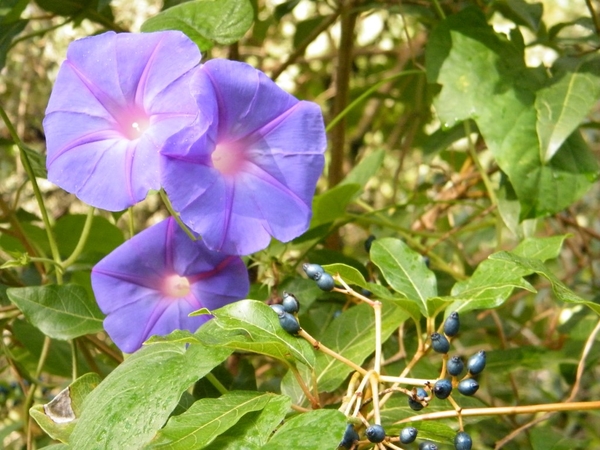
(116, 99)
(249, 171)
(150, 284)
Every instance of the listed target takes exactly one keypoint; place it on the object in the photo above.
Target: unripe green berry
(468, 386)
(375, 434)
(290, 303)
(289, 323)
(462, 441)
(439, 343)
(476, 363)
(442, 388)
(452, 325)
(408, 435)
(455, 366)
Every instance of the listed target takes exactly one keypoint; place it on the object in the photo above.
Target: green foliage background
(465, 132)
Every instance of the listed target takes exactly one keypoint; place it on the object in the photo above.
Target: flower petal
(129, 284)
(116, 100)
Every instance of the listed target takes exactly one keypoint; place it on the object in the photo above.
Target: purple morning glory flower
(250, 171)
(150, 284)
(116, 99)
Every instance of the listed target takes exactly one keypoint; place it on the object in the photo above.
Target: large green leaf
(540, 248)
(255, 428)
(563, 105)
(58, 417)
(484, 77)
(405, 271)
(208, 418)
(365, 169)
(315, 430)
(206, 21)
(61, 312)
(253, 326)
(561, 291)
(331, 205)
(126, 410)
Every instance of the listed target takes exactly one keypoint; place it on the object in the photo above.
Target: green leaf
(58, 417)
(365, 169)
(61, 312)
(135, 400)
(7, 33)
(484, 77)
(563, 105)
(561, 291)
(253, 326)
(490, 286)
(352, 334)
(331, 205)
(540, 248)
(254, 429)
(207, 418)
(305, 290)
(350, 274)
(315, 430)
(521, 12)
(206, 21)
(405, 271)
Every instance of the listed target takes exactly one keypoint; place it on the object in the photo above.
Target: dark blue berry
(476, 363)
(375, 433)
(289, 323)
(312, 270)
(368, 243)
(427, 261)
(468, 386)
(408, 435)
(367, 293)
(324, 281)
(439, 343)
(350, 437)
(452, 325)
(455, 366)
(278, 308)
(421, 393)
(427, 446)
(442, 388)
(462, 441)
(414, 404)
(290, 303)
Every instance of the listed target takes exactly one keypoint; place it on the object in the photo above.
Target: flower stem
(167, 202)
(85, 233)
(36, 190)
(318, 346)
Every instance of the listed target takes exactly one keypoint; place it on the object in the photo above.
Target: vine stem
(314, 402)
(36, 190)
(216, 383)
(32, 389)
(506, 410)
(318, 346)
(85, 233)
(167, 202)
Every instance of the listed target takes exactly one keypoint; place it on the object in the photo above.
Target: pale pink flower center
(134, 123)
(228, 158)
(176, 286)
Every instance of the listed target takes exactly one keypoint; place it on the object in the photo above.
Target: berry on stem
(324, 281)
(278, 308)
(350, 437)
(375, 434)
(455, 366)
(452, 325)
(414, 404)
(289, 323)
(439, 343)
(312, 270)
(442, 388)
(408, 435)
(427, 446)
(476, 363)
(290, 303)
(462, 441)
(368, 242)
(468, 386)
